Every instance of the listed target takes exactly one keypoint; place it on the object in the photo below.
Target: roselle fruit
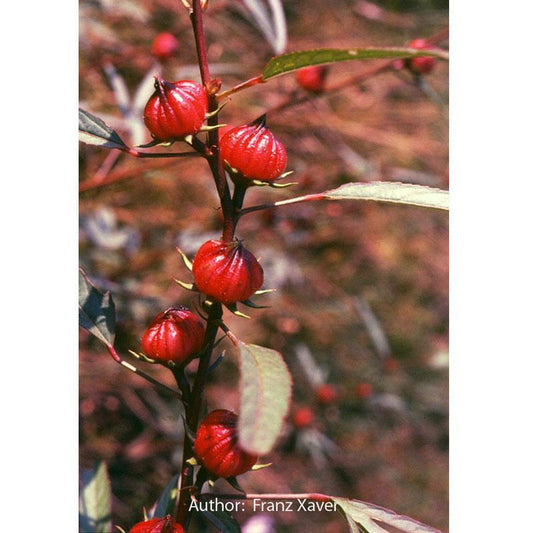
(175, 335)
(327, 394)
(254, 152)
(158, 525)
(164, 46)
(216, 445)
(226, 271)
(175, 110)
(420, 65)
(313, 78)
(303, 417)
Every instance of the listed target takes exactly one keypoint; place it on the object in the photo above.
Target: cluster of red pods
(224, 272)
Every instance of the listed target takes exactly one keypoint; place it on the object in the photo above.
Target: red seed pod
(226, 271)
(312, 78)
(164, 46)
(253, 151)
(327, 394)
(420, 65)
(175, 110)
(216, 445)
(174, 335)
(303, 417)
(158, 525)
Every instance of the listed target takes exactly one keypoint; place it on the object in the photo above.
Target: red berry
(216, 445)
(158, 525)
(312, 78)
(175, 110)
(164, 46)
(174, 335)
(226, 271)
(327, 394)
(303, 417)
(420, 65)
(253, 151)
(364, 390)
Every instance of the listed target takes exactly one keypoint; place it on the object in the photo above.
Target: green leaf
(305, 58)
(398, 193)
(366, 515)
(265, 393)
(223, 521)
(94, 130)
(95, 501)
(96, 311)
(167, 500)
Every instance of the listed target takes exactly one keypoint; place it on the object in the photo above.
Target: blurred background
(360, 311)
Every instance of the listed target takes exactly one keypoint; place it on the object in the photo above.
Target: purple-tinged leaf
(94, 130)
(96, 311)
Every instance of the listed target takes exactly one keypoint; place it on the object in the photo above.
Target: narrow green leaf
(167, 500)
(96, 311)
(398, 193)
(223, 521)
(368, 516)
(95, 501)
(265, 393)
(94, 130)
(305, 58)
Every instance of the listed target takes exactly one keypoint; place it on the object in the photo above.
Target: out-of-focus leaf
(297, 60)
(223, 521)
(96, 311)
(272, 25)
(366, 515)
(398, 193)
(95, 501)
(265, 392)
(260, 523)
(145, 89)
(167, 500)
(280, 26)
(120, 89)
(94, 130)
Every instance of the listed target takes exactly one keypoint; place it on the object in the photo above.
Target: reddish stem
(135, 370)
(215, 161)
(307, 198)
(314, 496)
(244, 85)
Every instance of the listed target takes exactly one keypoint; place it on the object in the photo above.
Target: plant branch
(146, 155)
(215, 161)
(238, 199)
(356, 79)
(244, 85)
(314, 496)
(194, 409)
(306, 198)
(135, 370)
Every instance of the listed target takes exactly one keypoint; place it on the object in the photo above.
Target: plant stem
(193, 411)
(215, 162)
(135, 370)
(307, 198)
(244, 85)
(146, 155)
(315, 496)
(238, 198)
